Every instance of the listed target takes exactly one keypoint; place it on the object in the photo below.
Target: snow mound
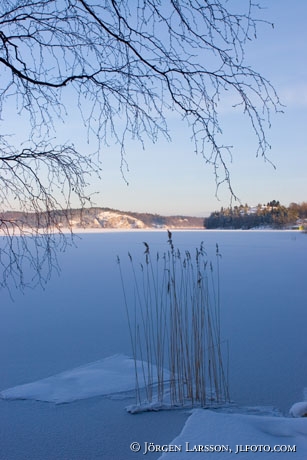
(299, 409)
(237, 433)
(108, 376)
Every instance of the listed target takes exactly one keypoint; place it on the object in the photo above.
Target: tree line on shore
(272, 214)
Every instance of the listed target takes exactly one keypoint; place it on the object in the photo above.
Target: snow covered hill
(96, 218)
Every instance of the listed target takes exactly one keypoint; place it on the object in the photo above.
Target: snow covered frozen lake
(80, 319)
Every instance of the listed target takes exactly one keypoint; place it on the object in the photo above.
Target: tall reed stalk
(175, 328)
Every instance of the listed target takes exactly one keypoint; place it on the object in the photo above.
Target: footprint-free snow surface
(107, 376)
(266, 332)
(205, 430)
(239, 436)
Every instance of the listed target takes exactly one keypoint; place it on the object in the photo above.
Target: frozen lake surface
(80, 318)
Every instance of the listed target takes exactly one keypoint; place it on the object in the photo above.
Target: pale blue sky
(168, 178)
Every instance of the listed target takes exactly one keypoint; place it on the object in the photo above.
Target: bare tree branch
(129, 65)
(135, 60)
(41, 181)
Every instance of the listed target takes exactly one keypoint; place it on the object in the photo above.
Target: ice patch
(217, 429)
(167, 403)
(111, 375)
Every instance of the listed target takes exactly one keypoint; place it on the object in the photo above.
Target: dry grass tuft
(174, 324)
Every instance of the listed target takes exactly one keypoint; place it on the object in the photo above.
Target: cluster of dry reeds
(174, 324)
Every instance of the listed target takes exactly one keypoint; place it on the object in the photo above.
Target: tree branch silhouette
(129, 65)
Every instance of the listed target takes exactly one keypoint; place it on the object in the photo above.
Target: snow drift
(107, 376)
(239, 434)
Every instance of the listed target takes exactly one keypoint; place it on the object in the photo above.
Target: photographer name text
(150, 447)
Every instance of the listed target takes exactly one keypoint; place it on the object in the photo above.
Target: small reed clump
(174, 325)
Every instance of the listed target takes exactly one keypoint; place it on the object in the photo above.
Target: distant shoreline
(82, 231)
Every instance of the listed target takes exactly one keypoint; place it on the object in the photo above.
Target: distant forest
(272, 214)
